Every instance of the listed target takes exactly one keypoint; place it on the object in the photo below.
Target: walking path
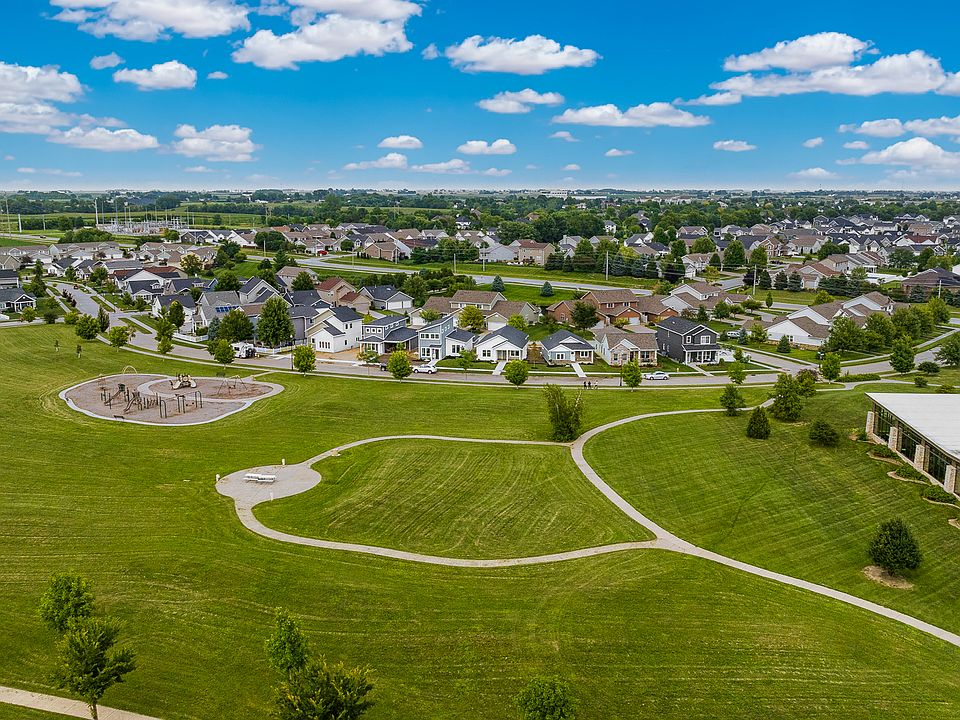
(295, 479)
(63, 706)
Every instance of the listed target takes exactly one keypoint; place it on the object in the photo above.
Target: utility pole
(606, 267)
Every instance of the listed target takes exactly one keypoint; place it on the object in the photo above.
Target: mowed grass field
(639, 635)
(454, 499)
(784, 504)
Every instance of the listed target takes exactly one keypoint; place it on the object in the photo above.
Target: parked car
(428, 369)
(733, 333)
(658, 375)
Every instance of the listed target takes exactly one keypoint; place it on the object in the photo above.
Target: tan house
(533, 253)
(333, 289)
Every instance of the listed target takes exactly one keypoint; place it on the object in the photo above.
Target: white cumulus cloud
(217, 143)
(151, 20)
(809, 52)
(172, 75)
(450, 167)
(889, 127)
(733, 146)
(813, 142)
(814, 173)
(99, 138)
(652, 115)
(534, 55)
(482, 147)
(217, 75)
(390, 161)
(516, 103)
(715, 99)
(430, 52)
(563, 135)
(401, 142)
(856, 145)
(614, 152)
(917, 153)
(572, 167)
(104, 62)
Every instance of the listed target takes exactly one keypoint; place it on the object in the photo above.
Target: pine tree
(758, 427)
(795, 282)
(780, 282)
(731, 399)
(497, 284)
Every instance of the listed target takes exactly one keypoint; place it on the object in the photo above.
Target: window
(689, 338)
(704, 339)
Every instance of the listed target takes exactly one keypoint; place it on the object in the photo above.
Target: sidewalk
(63, 706)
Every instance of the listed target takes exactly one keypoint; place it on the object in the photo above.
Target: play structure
(151, 399)
(183, 381)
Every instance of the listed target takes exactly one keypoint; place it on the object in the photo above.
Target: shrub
(937, 494)
(732, 399)
(908, 472)
(859, 378)
(566, 413)
(71, 317)
(784, 345)
(946, 389)
(929, 367)
(883, 451)
(824, 434)
(861, 435)
(759, 426)
(893, 547)
(920, 381)
(546, 699)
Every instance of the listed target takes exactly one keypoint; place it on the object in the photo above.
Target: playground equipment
(109, 399)
(231, 384)
(183, 381)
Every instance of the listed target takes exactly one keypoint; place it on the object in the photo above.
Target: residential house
(932, 282)
(216, 304)
(561, 312)
(387, 297)
(386, 334)
(687, 342)
(529, 252)
(257, 291)
(618, 347)
(9, 279)
(14, 299)
(333, 289)
(504, 344)
(162, 303)
(335, 329)
(565, 348)
(442, 338)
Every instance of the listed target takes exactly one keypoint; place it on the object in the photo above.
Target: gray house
(442, 338)
(386, 334)
(687, 342)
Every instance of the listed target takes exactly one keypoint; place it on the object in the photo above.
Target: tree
(37, 286)
(768, 301)
(830, 366)
(583, 315)
(902, 356)
(49, 316)
(304, 359)
(68, 597)
(732, 399)
(546, 290)
(275, 327)
(794, 282)
(765, 283)
(807, 383)
(949, 352)
(287, 648)
(758, 334)
(235, 326)
(734, 256)
(780, 281)
(893, 547)
(783, 346)
(228, 281)
(516, 372)
(323, 692)
(737, 372)
(758, 427)
(164, 345)
(822, 297)
(824, 434)
(703, 245)
(399, 364)
(497, 284)
(119, 335)
(98, 276)
(303, 281)
(28, 314)
(702, 314)
(222, 352)
(191, 264)
(845, 334)
(428, 315)
(87, 327)
(472, 319)
(939, 310)
(466, 359)
(758, 257)
(518, 321)
(631, 374)
(176, 314)
(566, 414)
(88, 663)
(416, 287)
(346, 245)
(786, 399)
(367, 356)
(546, 699)
(103, 320)
(282, 260)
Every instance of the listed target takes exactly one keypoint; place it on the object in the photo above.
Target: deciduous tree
(516, 372)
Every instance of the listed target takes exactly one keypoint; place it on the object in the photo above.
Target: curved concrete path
(294, 479)
(63, 706)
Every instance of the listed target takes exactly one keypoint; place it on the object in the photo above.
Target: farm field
(637, 634)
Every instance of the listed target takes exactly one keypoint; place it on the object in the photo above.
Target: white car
(733, 333)
(428, 369)
(658, 375)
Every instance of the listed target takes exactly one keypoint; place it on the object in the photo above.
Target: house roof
(566, 339)
(484, 297)
(386, 320)
(345, 314)
(330, 283)
(933, 416)
(614, 295)
(508, 333)
(682, 325)
(460, 334)
(11, 294)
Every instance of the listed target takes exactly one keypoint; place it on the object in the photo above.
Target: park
(635, 541)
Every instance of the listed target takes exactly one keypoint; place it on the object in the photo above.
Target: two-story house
(442, 338)
(687, 342)
(335, 329)
(386, 334)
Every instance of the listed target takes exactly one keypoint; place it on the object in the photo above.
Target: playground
(151, 399)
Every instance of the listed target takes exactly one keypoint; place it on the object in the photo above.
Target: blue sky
(312, 90)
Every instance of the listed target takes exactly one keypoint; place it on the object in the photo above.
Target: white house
(506, 343)
(335, 329)
(564, 348)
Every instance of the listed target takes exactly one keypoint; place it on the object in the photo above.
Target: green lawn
(531, 294)
(639, 635)
(802, 297)
(784, 504)
(454, 499)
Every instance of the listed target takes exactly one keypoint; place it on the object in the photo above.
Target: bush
(946, 389)
(929, 367)
(920, 381)
(862, 377)
(937, 494)
(71, 317)
(566, 413)
(861, 435)
(824, 434)
(893, 547)
(784, 345)
(546, 699)
(883, 451)
(908, 472)
(759, 426)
